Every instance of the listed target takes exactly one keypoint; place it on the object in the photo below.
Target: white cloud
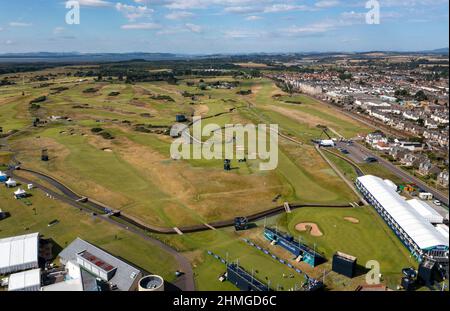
(275, 8)
(253, 18)
(179, 15)
(9, 42)
(147, 26)
(312, 29)
(242, 9)
(20, 24)
(94, 3)
(132, 12)
(327, 3)
(58, 30)
(240, 34)
(194, 28)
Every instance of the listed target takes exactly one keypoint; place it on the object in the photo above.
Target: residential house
(442, 178)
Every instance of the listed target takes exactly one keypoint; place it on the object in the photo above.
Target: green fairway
(369, 239)
(228, 244)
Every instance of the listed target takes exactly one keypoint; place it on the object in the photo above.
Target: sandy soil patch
(309, 226)
(107, 150)
(201, 110)
(299, 116)
(353, 220)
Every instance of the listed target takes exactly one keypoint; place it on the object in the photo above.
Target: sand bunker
(312, 228)
(352, 220)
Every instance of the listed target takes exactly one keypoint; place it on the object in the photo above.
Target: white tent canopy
(19, 253)
(11, 183)
(418, 228)
(29, 280)
(20, 192)
(426, 211)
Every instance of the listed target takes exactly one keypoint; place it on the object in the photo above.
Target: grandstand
(300, 250)
(414, 230)
(244, 280)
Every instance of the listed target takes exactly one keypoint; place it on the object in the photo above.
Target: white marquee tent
(418, 228)
(29, 280)
(19, 253)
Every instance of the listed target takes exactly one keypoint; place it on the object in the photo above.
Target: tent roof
(19, 250)
(424, 209)
(25, 279)
(19, 191)
(424, 234)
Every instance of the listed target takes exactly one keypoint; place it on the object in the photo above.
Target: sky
(223, 26)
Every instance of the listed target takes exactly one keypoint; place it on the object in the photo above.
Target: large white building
(19, 253)
(407, 221)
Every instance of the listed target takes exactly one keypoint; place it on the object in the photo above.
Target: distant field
(134, 172)
(252, 65)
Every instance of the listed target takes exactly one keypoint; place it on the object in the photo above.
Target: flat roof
(24, 280)
(426, 211)
(19, 250)
(125, 275)
(420, 230)
(96, 261)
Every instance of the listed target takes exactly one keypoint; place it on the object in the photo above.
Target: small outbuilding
(28, 281)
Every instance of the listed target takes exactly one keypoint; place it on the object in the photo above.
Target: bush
(114, 94)
(162, 97)
(106, 135)
(35, 106)
(38, 99)
(90, 90)
(244, 92)
(96, 130)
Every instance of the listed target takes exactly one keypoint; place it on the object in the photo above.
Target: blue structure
(310, 256)
(244, 280)
(180, 118)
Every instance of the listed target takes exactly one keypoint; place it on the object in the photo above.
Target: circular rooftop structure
(151, 283)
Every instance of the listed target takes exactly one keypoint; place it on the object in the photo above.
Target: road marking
(287, 207)
(209, 226)
(178, 231)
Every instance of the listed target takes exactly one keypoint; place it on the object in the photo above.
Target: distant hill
(439, 51)
(87, 57)
(74, 57)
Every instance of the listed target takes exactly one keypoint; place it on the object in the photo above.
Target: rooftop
(125, 275)
(19, 252)
(415, 225)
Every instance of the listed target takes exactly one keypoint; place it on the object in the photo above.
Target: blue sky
(222, 26)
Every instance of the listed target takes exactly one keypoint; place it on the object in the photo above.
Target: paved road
(405, 176)
(185, 282)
